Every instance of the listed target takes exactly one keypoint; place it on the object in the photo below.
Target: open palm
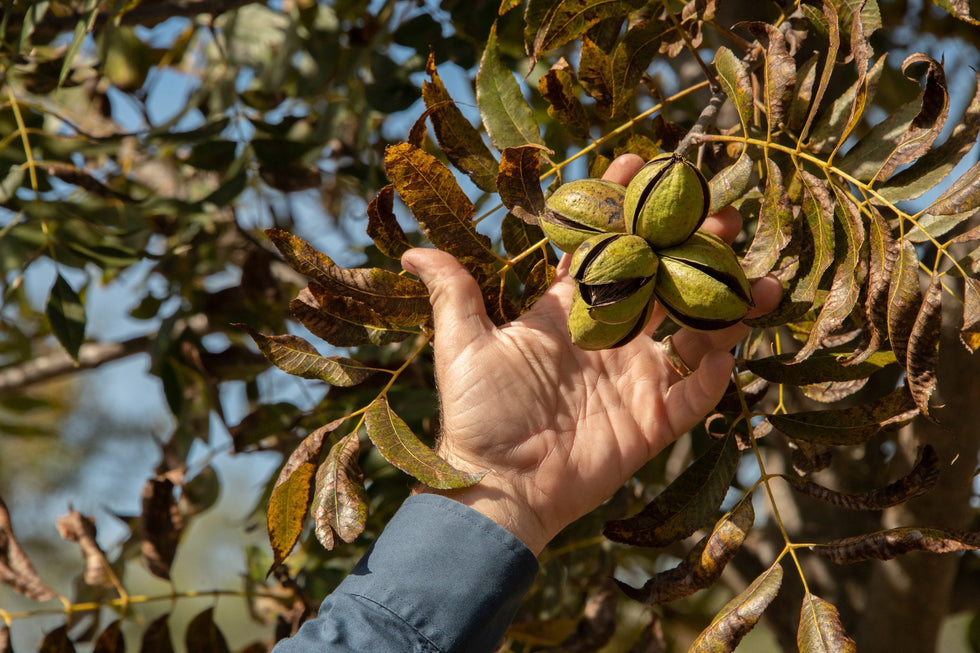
(560, 428)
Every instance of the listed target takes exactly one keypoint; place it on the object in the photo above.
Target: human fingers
(457, 303)
(623, 168)
(690, 399)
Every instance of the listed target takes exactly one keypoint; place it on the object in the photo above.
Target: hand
(561, 429)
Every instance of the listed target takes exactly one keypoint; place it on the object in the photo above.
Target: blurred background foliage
(144, 146)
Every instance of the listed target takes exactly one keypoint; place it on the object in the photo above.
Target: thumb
(457, 303)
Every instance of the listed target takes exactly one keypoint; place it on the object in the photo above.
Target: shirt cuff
(451, 573)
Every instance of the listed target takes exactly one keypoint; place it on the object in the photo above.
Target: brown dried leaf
(775, 226)
(961, 197)
(335, 328)
(16, 569)
(820, 628)
(339, 501)
(844, 289)
(970, 331)
(686, 505)
(883, 253)
(557, 87)
(630, 60)
(904, 300)
(846, 426)
(830, 21)
(293, 491)
(383, 227)
(111, 639)
(296, 356)
(780, 73)
(204, 636)
(598, 622)
(156, 637)
(57, 641)
(519, 181)
(76, 527)
(460, 141)
(161, 525)
(917, 482)
(923, 346)
(440, 206)
(888, 544)
(739, 615)
(703, 565)
(553, 23)
(390, 299)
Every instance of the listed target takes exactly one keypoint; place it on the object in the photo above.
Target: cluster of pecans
(637, 245)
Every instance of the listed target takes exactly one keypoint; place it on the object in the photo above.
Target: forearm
(439, 578)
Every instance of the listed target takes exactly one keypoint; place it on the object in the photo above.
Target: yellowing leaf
(440, 206)
(820, 628)
(685, 505)
(734, 78)
(775, 226)
(336, 327)
(739, 615)
(506, 114)
(402, 448)
(824, 365)
(557, 88)
(553, 23)
(845, 426)
(630, 60)
(296, 356)
(596, 77)
(519, 181)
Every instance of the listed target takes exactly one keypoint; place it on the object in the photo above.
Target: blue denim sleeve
(441, 578)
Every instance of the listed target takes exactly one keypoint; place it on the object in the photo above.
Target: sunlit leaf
(837, 120)
(923, 346)
(800, 100)
(383, 227)
(820, 628)
(739, 615)
(441, 207)
(204, 636)
(16, 569)
(823, 365)
(460, 141)
(340, 502)
(110, 640)
(960, 9)
(844, 289)
(705, 562)
(906, 133)
(161, 525)
(506, 114)
(596, 76)
(775, 226)
(557, 87)
(888, 544)
(57, 641)
(293, 491)
(916, 483)
(551, 24)
(970, 331)
(734, 78)
(686, 505)
(780, 73)
(730, 183)
(904, 300)
(401, 300)
(76, 527)
(846, 426)
(962, 196)
(296, 356)
(402, 448)
(66, 314)
(824, 19)
(519, 181)
(883, 252)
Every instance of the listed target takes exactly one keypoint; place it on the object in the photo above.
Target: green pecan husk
(701, 285)
(614, 274)
(666, 201)
(581, 209)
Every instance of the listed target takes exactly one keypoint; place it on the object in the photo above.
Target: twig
(705, 121)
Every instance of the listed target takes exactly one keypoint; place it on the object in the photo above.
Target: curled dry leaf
(76, 527)
(739, 615)
(820, 628)
(16, 569)
(887, 544)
